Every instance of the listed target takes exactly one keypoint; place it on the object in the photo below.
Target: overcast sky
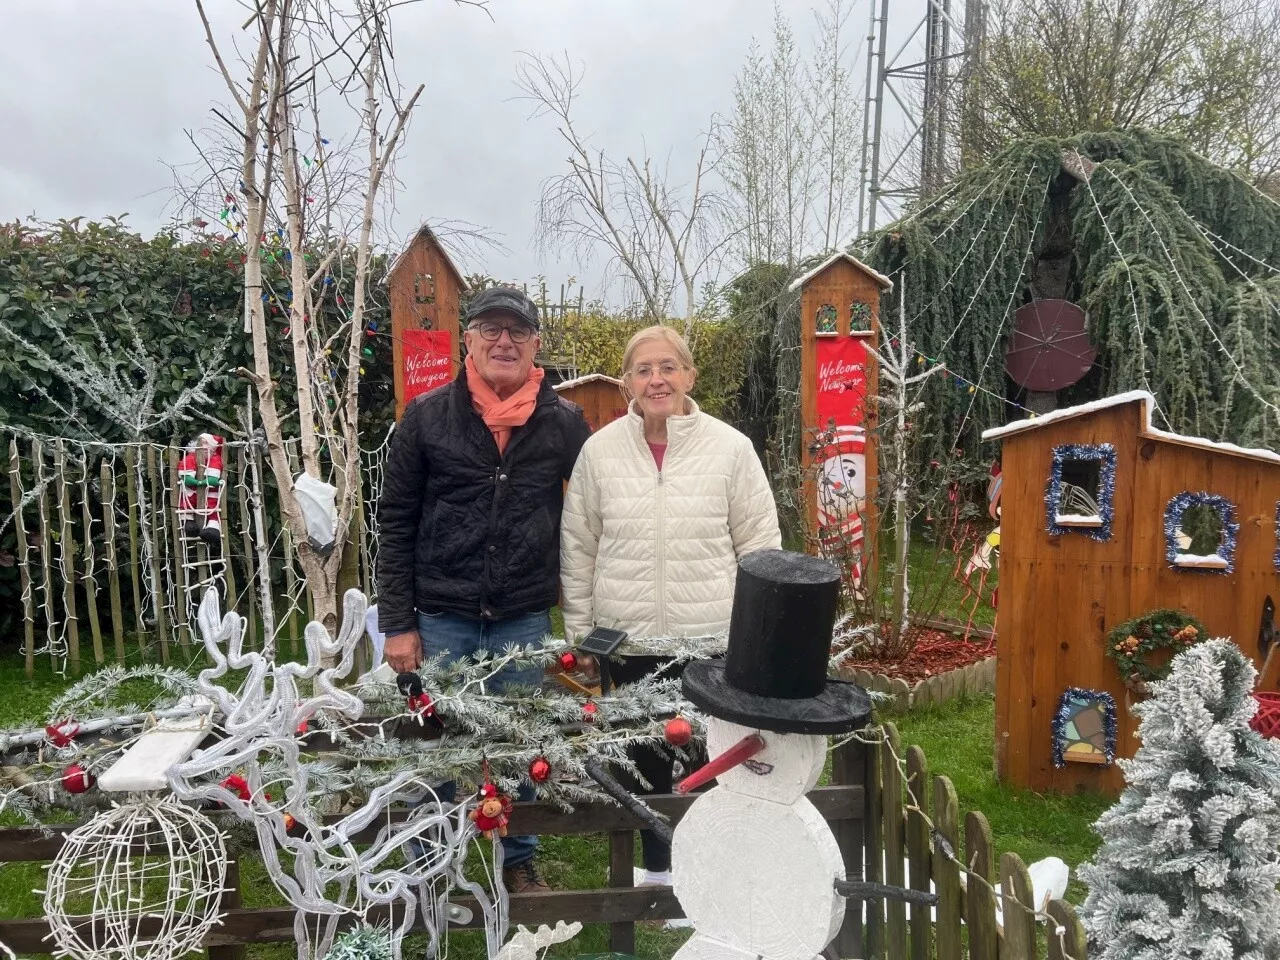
(95, 96)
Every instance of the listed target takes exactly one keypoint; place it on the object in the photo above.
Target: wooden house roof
(1149, 430)
(588, 378)
(426, 232)
(884, 282)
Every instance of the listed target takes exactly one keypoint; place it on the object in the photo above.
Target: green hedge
(184, 297)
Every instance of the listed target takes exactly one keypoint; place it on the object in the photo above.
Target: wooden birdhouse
(425, 289)
(839, 329)
(600, 397)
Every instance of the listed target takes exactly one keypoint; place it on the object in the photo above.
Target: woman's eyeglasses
(493, 330)
(646, 371)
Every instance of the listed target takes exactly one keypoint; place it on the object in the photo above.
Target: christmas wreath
(1131, 644)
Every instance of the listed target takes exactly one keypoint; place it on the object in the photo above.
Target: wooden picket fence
(104, 562)
(876, 810)
(914, 819)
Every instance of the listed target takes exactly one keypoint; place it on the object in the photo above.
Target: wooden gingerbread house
(1105, 518)
(839, 327)
(600, 396)
(425, 288)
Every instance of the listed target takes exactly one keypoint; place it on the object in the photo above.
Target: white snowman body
(753, 863)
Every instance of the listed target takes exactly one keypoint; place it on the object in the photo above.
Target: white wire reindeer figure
(329, 877)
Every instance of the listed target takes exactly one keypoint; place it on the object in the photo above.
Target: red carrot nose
(744, 749)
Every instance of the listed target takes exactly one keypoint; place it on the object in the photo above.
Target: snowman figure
(842, 495)
(754, 864)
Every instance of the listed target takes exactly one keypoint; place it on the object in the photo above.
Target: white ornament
(152, 874)
(526, 945)
(754, 863)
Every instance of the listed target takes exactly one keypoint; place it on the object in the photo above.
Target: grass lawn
(957, 738)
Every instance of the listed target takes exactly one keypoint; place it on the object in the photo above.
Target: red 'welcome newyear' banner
(428, 361)
(842, 381)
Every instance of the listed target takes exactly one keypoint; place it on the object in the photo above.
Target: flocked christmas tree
(1190, 857)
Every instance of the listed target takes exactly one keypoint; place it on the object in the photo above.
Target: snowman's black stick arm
(866, 890)
(629, 800)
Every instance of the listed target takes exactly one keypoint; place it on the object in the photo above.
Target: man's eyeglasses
(493, 330)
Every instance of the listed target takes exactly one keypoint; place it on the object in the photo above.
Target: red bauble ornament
(76, 779)
(303, 727)
(678, 731)
(539, 770)
(589, 711)
(568, 662)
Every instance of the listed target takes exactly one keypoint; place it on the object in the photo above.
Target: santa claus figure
(200, 496)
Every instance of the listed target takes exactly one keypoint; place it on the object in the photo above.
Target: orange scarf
(501, 415)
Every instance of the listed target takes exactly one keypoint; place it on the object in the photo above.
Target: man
(469, 520)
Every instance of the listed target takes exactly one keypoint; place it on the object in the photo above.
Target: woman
(661, 505)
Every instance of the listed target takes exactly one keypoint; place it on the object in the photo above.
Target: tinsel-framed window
(1084, 728)
(1082, 486)
(1275, 560)
(1182, 550)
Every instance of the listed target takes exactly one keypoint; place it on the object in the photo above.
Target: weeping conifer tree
(1175, 261)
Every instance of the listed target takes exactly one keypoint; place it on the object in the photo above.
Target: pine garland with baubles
(1190, 857)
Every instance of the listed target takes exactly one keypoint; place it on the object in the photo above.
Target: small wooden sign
(428, 361)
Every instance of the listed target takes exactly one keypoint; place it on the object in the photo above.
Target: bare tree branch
(652, 232)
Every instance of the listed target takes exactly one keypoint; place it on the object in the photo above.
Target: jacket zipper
(662, 558)
(488, 550)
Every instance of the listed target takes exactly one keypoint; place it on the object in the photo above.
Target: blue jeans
(456, 636)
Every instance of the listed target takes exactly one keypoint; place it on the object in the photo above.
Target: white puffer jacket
(655, 553)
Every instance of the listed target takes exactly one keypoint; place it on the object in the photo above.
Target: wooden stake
(247, 540)
(24, 570)
(225, 520)
(68, 557)
(179, 550)
(158, 536)
(90, 573)
(46, 540)
(108, 480)
(131, 494)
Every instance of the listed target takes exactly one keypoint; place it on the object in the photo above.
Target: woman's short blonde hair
(659, 332)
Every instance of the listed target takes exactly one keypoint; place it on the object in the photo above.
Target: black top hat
(774, 675)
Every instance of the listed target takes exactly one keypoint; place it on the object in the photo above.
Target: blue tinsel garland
(1276, 558)
(1064, 714)
(1173, 521)
(1105, 453)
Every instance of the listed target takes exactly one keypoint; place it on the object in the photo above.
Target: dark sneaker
(523, 878)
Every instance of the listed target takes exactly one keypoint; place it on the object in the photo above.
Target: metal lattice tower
(923, 88)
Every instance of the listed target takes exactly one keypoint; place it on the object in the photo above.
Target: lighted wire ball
(151, 872)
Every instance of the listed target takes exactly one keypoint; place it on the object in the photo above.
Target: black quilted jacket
(464, 529)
